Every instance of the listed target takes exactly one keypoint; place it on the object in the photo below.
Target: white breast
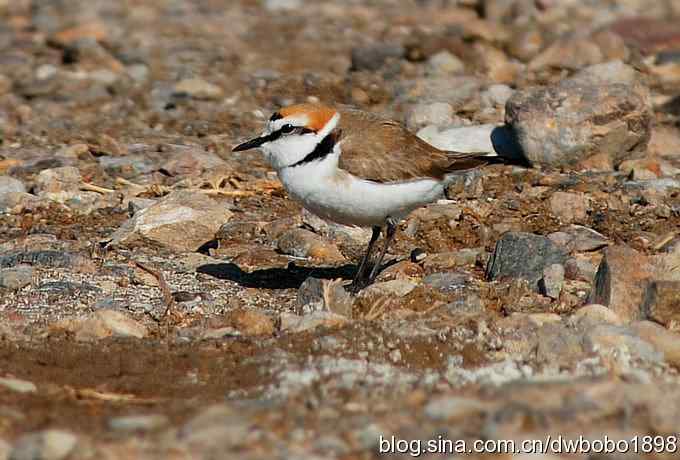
(348, 200)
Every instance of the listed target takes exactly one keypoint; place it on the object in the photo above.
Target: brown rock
(662, 303)
(182, 221)
(299, 242)
(241, 231)
(278, 227)
(648, 34)
(621, 281)
(73, 151)
(662, 339)
(496, 65)
(90, 55)
(444, 260)
(597, 162)
(5, 85)
(199, 89)
(581, 51)
(641, 169)
(254, 259)
(388, 289)
(54, 180)
(595, 314)
(401, 270)
(665, 142)
(668, 265)
(294, 323)
(250, 322)
(191, 161)
(526, 43)
(110, 146)
(103, 324)
(569, 207)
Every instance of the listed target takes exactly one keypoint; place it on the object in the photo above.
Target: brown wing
(382, 150)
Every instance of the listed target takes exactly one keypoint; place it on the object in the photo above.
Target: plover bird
(357, 168)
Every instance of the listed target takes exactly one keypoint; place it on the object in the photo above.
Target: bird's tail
(460, 161)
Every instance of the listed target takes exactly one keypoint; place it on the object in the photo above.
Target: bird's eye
(287, 128)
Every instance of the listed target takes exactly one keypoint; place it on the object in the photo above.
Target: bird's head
(294, 132)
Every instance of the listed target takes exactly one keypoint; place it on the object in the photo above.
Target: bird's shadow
(290, 277)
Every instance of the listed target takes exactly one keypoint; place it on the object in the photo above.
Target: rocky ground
(160, 297)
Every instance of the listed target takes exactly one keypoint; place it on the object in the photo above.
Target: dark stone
(523, 255)
(310, 296)
(668, 57)
(67, 288)
(50, 259)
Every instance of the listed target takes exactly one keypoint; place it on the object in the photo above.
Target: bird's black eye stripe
(288, 129)
(275, 116)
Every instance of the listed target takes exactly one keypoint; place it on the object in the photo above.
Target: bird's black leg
(360, 281)
(390, 231)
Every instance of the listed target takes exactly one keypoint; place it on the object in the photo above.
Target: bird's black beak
(251, 144)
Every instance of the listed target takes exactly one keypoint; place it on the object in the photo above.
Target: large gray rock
(525, 256)
(562, 125)
(10, 184)
(182, 221)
